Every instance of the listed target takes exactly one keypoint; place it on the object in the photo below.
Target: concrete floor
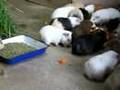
(44, 72)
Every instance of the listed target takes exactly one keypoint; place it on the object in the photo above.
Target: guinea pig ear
(85, 13)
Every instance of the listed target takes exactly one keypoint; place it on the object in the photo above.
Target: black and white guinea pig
(66, 23)
(69, 11)
(109, 17)
(52, 35)
(100, 66)
(88, 43)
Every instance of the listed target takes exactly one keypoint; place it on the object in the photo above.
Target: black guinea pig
(89, 43)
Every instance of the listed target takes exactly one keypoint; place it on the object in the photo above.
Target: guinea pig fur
(62, 12)
(66, 23)
(97, 67)
(50, 34)
(88, 43)
(105, 15)
(76, 13)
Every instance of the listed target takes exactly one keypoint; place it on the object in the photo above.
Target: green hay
(15, 49)
(7, 26)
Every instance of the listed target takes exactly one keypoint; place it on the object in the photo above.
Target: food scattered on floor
(62, 61)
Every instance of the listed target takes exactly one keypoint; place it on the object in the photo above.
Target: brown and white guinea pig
(108, 17)
(99, 67)
(52, 35)
(113, 81)
(66, 23)
(88, 43)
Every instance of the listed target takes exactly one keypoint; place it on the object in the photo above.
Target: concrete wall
(103, 2)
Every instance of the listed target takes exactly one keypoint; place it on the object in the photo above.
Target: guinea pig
(69, 10)
(88, 43)
(66, 23)
(100, 66)
(108, 17)
(113, 81)
(52, 35)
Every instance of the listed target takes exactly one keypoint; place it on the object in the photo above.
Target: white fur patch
(90, 8)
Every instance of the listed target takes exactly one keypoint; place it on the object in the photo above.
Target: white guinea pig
(50, 34)
(66, 23)
(97, 67)
(104, 15)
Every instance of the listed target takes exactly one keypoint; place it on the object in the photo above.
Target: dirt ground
(43, 72)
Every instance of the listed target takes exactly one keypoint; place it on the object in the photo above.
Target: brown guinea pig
(83, 28)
